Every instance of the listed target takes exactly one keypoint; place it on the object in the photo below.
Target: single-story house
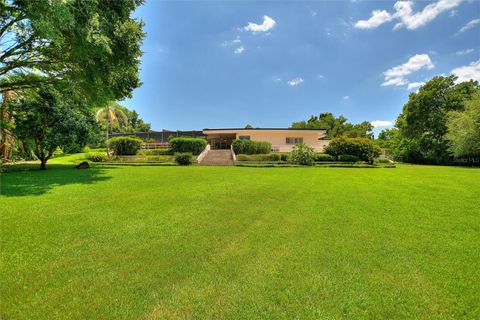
(282, 139)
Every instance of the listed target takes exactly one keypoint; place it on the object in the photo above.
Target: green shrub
(347, 158)
(251, 147)
(365, 149)
(382, 160)
(125, 146)
(183, 159)
(188, 145)
(97, 156)
(156, 152)
(320, 157)
(284, 156)
(302, 154)
(157, 158)
(259, 157)
(86, 149)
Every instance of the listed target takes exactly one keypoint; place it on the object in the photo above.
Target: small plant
(320, 157)
(125, 146)
(302, 154)
(183, 159)
(191, 145)
(97, 156)
(284, 156)
(347, 158)
(381, 160)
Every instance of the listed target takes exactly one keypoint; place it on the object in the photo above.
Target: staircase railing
(202, 155)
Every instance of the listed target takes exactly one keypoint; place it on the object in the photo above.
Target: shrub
(382, 160)
(188, 145)
(319, 157)
(347, 158)
(251, 147)
(156, 152)
(365, 149)
(302, 154)
(86, 149)
(284, 156)
(157, 158)
(259, 157)
(97, 156)
(125, 146)
(183, 159)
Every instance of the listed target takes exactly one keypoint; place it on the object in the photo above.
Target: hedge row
(363, 148)
(124, 145)
(185, 145)
(251, 147)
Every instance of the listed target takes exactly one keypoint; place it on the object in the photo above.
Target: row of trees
(336, 126)
(439, 124)
(60, 61)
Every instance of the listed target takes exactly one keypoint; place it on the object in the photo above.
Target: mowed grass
(240, 243)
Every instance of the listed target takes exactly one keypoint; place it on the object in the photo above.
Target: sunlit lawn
(240, 243)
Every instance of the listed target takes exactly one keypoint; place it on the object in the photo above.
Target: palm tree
(112, 116)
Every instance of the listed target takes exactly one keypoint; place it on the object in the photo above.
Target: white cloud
(396, 76)
(268, 24)
(381, 123)
(346, 97)
(229, 43)
(464, 52)
(404, 13)
(413, 85)
(378, 17)
(469, 25)
(239, 50)
(295, 82)
(465, 73)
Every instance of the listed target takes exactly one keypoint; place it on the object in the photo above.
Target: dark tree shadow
(27, 180)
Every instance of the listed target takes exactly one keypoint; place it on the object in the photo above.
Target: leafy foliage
(186, 144)
(464, 130)
(47, 118)
(92, 45)
(347, 158)
(97, 156)
(302, 154)
(320, 157)
(251, 147)
(423, 122)
(183, 159)
(363, 148)
(260, 157)
(125, 145)
(336, 126)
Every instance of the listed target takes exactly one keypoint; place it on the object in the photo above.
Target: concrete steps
(217, 158)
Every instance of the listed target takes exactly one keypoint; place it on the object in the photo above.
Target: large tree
(336, 126)
(47, 118)
(423, 121)
(93, 45)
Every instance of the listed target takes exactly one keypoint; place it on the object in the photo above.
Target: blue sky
(209, 64)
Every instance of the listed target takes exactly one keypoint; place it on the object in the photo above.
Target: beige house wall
(278, 137)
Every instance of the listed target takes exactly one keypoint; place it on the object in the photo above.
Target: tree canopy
(336, 126)
(47, 118)
(92, 45)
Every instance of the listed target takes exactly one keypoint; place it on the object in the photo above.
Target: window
(294, 140)
(244, 137)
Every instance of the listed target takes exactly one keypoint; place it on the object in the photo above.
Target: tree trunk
(43, 164)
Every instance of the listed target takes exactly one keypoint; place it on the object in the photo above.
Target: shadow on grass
(27, 180)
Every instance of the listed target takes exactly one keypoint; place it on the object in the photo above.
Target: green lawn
(240, 243)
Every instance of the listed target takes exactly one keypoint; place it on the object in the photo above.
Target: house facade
(282, 139)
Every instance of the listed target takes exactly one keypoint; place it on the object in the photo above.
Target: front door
(220, 141)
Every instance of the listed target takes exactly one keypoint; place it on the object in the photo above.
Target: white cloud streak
(381, 123)
(407, 18)
(464, 52)
(466, 73)
(295, 82)
(268, 24)
(469, 25)
(396, 76)
(413, 85)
